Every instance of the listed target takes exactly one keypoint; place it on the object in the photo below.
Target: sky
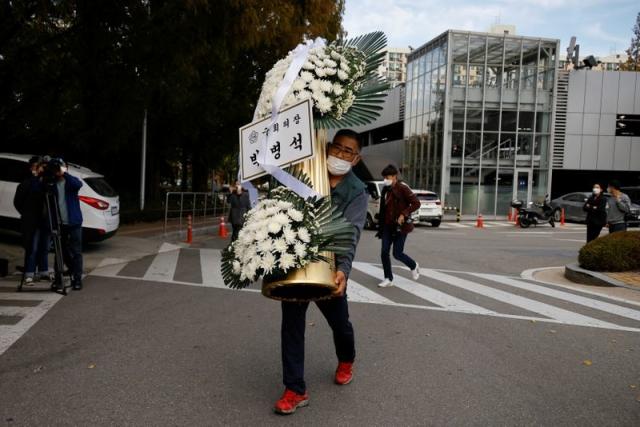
(601, 26)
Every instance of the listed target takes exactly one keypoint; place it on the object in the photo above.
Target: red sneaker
(344, 373)
(290, 401)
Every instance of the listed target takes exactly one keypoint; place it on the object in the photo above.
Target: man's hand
(401, 219)
(341, 281)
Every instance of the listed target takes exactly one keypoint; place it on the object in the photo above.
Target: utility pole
(144, 160)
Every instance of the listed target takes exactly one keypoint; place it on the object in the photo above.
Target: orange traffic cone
(517, 217)
(189, 230)
(480, 222)
(222, 229)
(509, 216)
(562, 217)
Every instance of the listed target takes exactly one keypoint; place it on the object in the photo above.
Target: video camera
(51, 167)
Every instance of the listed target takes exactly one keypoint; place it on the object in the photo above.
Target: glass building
(479, 114)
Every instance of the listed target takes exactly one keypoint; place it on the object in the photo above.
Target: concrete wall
(595, 97)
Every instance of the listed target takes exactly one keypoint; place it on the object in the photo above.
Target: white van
(99, 203)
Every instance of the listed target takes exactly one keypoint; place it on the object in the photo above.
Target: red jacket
(398, 200)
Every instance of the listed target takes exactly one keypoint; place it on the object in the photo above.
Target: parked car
(430, 208)
(100, 204)
(573, 203)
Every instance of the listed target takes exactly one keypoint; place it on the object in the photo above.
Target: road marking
(422, 291)
(571, 240)
(163, 266)
(109, 267)
(564, 316)
(9, 334)
(358, 293)
(565, 296)
(210, 264)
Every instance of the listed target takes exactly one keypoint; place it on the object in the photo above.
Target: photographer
(397, 202)
(66, 187)
(29, 202)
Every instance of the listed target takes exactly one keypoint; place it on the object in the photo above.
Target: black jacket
(596, 209)
(29, 202)
(239, 205)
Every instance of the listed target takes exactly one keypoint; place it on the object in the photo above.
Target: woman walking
(596, 209)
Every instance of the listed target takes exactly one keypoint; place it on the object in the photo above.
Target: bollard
(480, 222)
(189, 229)
(457, 215)
(562, 217)
(222, 229)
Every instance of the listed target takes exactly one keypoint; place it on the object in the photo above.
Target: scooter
(536, 213)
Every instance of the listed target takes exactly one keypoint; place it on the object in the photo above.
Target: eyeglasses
(340, 151)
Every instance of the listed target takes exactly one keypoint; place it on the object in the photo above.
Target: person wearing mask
(29, 202)
(596, 209)
(397, 202)
(70, 218)
(239, 204)
(618, 206)
(348, 194)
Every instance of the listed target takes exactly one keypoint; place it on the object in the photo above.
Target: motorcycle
(536, 213)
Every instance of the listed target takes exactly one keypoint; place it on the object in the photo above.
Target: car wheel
(557, 215)
(368, 223)
(435, 223)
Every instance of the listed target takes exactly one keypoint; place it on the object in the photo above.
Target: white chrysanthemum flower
(307, 76)
(287, 261)
(246, 238)
(284, 205)
(249, 271)
(325, 86)
(300, 249)
(265, 246)
(261, 234)
(274, 227)
(303, 94)
(316, 95)
(342, 75)
(324, 104)
(281, 218)
(335, 55)
(295, 215)
(320, 72)
(318, 63)
(308, 65)
(337, 89)
(314, 249)
(268, 262)
(299, 84)
(279, 245)
(314, 86)
(330, 63)
(237, 268)
(344, 66)
(330, 71)
(303, 234)
(289, 235)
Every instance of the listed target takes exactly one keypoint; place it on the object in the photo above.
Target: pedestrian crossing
(471, 293)
(498, 225)
(19, 311)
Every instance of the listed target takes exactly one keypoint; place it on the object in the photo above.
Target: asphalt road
(158, 342)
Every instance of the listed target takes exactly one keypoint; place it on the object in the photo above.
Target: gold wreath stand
(315, 281)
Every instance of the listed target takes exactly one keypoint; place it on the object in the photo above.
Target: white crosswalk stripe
(430, 289)
(19, 311)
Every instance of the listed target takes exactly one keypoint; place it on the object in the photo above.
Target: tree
(633, 60)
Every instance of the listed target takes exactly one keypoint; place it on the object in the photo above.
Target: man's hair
(614, 183)
(35, 160)
(389, 170)
(348, 133)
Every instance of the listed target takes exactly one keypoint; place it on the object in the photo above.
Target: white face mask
(387, 182)
(337, 166)
(596, 191)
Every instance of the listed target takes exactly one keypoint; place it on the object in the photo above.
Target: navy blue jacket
(71, 187)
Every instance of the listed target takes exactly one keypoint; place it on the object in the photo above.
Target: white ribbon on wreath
(300, 54)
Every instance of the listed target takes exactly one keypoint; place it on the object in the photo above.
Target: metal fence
(201, 206)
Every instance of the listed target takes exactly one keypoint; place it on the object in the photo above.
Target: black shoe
(77, 286)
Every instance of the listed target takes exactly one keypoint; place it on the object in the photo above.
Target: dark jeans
(336, 311)
(72, 251)
(38, 253)
(614, 228)
(397, 239)
(235, 229)
(593, 232)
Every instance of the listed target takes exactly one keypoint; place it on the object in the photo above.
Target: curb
(579, 275)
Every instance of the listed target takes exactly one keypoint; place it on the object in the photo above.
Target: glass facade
(478, 120)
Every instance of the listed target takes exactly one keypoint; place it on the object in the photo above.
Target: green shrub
(615, 252)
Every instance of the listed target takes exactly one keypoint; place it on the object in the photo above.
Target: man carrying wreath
(348, 194)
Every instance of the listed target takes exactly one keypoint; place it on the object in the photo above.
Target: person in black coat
(239, 204)
(29, 202)
(596, 209)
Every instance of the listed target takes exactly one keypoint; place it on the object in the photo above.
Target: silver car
(573, 203)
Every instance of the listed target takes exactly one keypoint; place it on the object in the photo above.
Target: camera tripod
(59, 284)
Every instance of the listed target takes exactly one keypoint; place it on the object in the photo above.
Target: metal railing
(200, 205)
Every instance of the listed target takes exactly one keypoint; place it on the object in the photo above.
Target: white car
(430, 208)
(99, 203)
